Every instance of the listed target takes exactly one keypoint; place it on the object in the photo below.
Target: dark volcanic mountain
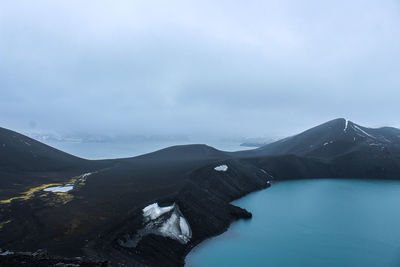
(338, 148)
(21, 153)
(152, 209)
(26, 163)
(332, 139)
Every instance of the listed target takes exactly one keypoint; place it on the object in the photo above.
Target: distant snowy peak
(331, 139)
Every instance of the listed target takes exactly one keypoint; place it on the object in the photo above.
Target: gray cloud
(230, 68)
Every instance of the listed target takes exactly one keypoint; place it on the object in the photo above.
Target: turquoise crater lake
(325, 222)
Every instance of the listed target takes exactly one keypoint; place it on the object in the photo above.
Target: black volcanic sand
(110, 203)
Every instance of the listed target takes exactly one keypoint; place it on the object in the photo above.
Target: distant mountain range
(258, 142)
(52, 137)
(151, 210)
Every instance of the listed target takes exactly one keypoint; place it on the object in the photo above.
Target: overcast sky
(222, 68)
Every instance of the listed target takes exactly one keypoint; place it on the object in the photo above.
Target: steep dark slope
(338, 148)
(332, 139)
(110, 203)
(26, 163)
(21, 153)
(202, 196)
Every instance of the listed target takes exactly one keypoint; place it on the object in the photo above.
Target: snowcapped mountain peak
(333, 138)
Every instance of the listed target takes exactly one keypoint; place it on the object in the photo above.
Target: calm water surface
(312, 223)
(109, 150)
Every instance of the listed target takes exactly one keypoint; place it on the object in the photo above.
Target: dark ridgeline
(108, 207)
(331, 139)
(336, 149)
(26, 163)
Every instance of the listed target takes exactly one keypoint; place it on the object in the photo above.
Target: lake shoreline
(201, 242)
(309, 213)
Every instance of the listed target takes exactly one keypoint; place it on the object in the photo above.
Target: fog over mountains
(237, 69)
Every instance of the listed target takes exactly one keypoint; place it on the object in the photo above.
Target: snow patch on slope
(185, 228)
(67, 187)
(346, 125)
(221, 168)
(164, 221)
(59, 189)
(176, 227)
(327, 143)
(6, 252)
(85, 175)
(363, 132)
(153, 211)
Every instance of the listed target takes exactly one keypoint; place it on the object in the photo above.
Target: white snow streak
(185, 229)
(170, 226)
(86, 174)
(5, 253)
(346, 125)
(59, 189)
(177, 228)
(154, 211)
(362, 131)
(64, 188)
(221, 168)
